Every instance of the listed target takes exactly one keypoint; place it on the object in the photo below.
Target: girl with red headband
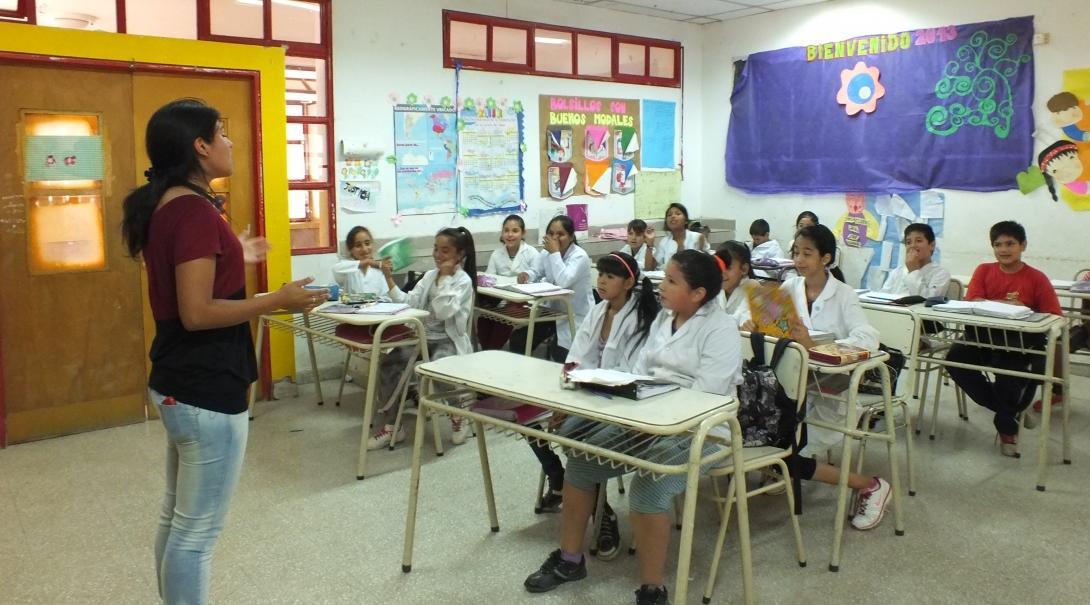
(1060, 163)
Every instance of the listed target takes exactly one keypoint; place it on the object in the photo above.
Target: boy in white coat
(919, 276)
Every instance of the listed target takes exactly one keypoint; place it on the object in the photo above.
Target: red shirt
(184, 229)
(1028, 286)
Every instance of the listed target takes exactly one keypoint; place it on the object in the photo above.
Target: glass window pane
(309, 211)
(297, 21)
(307, 153)
(630, 59)
(239, 18)
(298, 205)
(595, 56)
(662, 62)
(306, 82)
(509, 45)
(9, 5)
(468, 40)
(164, 18)
(97, 15)
(552, 51)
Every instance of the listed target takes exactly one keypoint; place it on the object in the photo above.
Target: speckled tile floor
(77, 517)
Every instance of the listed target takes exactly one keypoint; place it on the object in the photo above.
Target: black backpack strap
(777, 353)
(757, 342)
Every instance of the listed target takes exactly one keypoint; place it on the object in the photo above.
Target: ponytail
(624, 265)
(463, 242)
(736, 252)
(1051, 186)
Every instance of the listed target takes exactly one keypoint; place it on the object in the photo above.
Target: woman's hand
(551, 244)
(649, 237)
(523, 277)
(254, 248)
(749, 326)
(294, 297)
(447, 267)
(800, 333)
(387, 267)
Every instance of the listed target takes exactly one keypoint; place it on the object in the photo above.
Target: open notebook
(987, 308)
(537, 289)
(380, 308)
(631, 386)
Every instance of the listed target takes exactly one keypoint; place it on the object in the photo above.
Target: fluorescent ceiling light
(300, 74)
(545, 40)
(292, 3)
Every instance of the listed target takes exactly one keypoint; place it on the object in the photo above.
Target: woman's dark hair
(1056, 150)
(736, 252)
(351, 237)
(463, 242)
(637, 225)
(700, 270)
(565, 223)
(809, 215)
(517, 219)
(169, 142)
(647, 307)
(825, 242)
(680, 207)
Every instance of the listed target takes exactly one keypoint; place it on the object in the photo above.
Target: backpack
(765, 412)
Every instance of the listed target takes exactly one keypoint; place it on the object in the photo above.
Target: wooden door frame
(134, 67)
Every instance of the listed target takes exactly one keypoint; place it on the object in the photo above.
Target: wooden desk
(1056, 332)
(536, 381)
(317, 326)
(522, 310)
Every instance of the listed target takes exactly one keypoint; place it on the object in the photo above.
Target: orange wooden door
(71, 329)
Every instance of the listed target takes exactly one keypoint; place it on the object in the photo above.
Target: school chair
(792, 374)
(954, 291)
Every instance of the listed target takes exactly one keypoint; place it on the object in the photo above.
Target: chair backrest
(897, 329)
(1082, 274)
(791, 371)
(955, 290)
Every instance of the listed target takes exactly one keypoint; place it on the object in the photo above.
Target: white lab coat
(736, 306)
(705, 354)
(927, 281)
(640, 255)
(769, 249)
(836, 310)
(570, 271)
(665, 246)
(622, 346)
(451, 303)
(352, 280)
(503, 265)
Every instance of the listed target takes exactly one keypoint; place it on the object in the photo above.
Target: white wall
(1057, 235)
(387, 46)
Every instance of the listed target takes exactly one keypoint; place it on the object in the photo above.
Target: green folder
(399, 252)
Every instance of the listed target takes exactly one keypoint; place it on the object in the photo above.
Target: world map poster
(426, 154)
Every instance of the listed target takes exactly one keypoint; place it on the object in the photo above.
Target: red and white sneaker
(384, 437)
(1057, 401)
(871, 505)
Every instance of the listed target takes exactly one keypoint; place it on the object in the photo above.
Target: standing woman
(202, 358)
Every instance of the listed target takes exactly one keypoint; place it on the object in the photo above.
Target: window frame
(25, 12)
(530, 69)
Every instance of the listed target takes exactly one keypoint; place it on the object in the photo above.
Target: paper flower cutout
(860, 89)
(396, 219)
(470, 105)
(516, 107)
(522, 206)
(427, 99)
(463, 211)
(411, 98)
(446, 102)
(391, 159)
(393, 98)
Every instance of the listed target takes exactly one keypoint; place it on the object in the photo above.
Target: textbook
(986, 308)
(772, 309)
(400, 253)
(613, 382)
(537, 289)
(838, 354)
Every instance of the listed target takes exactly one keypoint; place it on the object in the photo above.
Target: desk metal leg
(1065, 350)
(486, 475)
(369, 407)
(1046, 409)
(262, 325)
(313, 359)
(530, 327)
(891, 450)
(741, 497)
(842, 490)
(414, 491)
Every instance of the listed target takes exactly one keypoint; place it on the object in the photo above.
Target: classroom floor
(77, 517)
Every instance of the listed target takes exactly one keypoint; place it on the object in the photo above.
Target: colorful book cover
(838, 354)
(400, 253)
(772, 309)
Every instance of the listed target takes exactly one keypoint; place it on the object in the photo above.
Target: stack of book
(986, 308)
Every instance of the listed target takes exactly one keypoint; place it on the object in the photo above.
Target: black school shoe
(652, 595)
(554, 572)
(609, 536)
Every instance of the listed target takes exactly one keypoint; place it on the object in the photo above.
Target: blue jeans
(204, 458)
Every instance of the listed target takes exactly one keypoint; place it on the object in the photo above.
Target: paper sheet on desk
(609, 378)
(537, 289)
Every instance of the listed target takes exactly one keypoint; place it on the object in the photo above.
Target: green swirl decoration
(980, 83)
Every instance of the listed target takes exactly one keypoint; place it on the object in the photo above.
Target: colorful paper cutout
(626, 143)
(624, 176)
(598, 178)
(596, 144)
(860, 89)
(562, 179)
(559, 141)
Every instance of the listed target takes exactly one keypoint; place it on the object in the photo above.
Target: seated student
(737, 274)
(515, 256)
(610, 338)
(1079, 339)
(446, 292)
(362, 274)
(918, 276)
(831, 306)
(806, 219)
(693, 344)
(763, 245)
(562, 262)
(677, 237)
(1011, 281)
(636, 244)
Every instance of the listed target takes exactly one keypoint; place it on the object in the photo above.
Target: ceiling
(694, 11)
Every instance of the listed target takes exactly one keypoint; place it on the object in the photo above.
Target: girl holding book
(737, 276)
(693, 344)
(447, 293)
(362, 273)
(829, 305)
(562, 262)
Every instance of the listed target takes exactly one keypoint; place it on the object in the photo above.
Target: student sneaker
(383, 438)
(871, 505)
(1057, 401)
(550, 501)
(554, 572)
(652, 595)
(1030, 421)
(1008, 445)
(459, 430)
(609, 536)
